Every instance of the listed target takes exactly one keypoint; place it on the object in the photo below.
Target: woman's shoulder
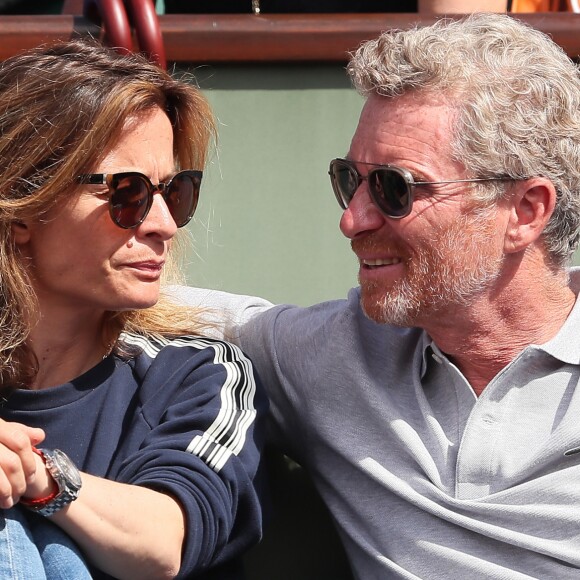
(183, 349)
(152, 344)
(186, 363)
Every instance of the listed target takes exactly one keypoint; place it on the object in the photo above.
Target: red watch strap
(41, 500)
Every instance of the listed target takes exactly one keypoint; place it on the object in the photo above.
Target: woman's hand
(109, 521)
(18, 462)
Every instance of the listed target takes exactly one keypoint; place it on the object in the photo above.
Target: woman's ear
(20, 233)
(532, 206)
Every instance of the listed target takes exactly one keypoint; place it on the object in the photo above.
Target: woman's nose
(159, 220)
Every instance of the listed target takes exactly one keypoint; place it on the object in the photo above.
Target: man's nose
(361, 215)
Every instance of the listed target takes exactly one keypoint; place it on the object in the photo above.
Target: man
(436, 408)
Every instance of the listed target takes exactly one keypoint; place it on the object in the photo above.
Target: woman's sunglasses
(390, 187)
(131, 195)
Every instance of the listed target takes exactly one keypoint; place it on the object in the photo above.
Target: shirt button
(488, 419)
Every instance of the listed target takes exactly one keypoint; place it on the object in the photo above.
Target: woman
(147, 432)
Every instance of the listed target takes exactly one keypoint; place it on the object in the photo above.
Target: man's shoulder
(224, 312)
(216, 299)
(230, 312)
(324, 330)
(311, 319)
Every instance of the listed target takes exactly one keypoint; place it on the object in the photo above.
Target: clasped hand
(22, 472)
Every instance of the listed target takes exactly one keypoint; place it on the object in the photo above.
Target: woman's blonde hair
(62, 108)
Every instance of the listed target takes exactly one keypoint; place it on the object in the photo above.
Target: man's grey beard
(453, 272)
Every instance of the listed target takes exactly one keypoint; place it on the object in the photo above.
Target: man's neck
(485, 337)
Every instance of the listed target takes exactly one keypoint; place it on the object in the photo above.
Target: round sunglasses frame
(344, 198)
(111, 180)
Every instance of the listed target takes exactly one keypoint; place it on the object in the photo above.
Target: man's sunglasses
(131, 195)
(390, 187)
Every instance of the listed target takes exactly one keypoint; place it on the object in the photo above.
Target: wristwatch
(67, 478)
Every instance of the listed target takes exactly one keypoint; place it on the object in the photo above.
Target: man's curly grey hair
(518, 103)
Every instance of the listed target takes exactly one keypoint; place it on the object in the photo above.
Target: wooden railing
(203, 38)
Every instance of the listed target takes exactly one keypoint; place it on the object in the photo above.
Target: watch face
(68, 468)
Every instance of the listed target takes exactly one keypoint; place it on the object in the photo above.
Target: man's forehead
(419, 104)
(409, 130)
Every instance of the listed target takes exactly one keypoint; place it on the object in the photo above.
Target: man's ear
(20, 233)
(532, 205)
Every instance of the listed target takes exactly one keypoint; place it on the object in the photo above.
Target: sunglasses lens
(388, 187)
(390, 191)
(130, 200)
(344, 182)
(182, 196)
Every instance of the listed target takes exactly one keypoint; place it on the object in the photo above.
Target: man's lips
(377, 262)
(373, 252)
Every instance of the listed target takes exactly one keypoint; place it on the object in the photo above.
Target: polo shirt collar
(565, 346)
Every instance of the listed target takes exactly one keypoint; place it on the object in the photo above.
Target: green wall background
(267, 224)
(268, 221)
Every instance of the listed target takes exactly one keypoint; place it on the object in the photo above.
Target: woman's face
(79, 259)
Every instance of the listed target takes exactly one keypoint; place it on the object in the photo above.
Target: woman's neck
(66, 347)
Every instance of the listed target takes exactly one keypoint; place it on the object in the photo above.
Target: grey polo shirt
(424, 479)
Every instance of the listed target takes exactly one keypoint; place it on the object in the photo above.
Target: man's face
(446, 253)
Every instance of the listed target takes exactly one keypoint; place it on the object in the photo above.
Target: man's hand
(18, 463)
